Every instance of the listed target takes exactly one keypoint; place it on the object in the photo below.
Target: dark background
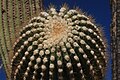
(98, 9)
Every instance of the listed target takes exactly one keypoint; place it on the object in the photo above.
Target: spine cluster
(62, 45)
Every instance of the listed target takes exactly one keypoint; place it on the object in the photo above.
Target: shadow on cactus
(63, 45)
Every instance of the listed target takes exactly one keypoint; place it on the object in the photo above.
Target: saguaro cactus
(62, 45)
(13, 14)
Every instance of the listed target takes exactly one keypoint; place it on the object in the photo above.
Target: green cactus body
(62, 45)
(13, 14)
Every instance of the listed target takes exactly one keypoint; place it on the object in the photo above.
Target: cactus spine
(59, 46)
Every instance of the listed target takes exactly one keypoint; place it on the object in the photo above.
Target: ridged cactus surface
(13, 14)
(59, 45)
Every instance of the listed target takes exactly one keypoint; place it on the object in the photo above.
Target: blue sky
(99, 9)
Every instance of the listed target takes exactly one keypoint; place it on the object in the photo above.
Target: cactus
(13, 14)
(64, 45)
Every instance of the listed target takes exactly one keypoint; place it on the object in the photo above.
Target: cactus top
(56, 30)
(59, 46)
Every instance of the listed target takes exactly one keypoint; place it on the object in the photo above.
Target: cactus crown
(59, 46)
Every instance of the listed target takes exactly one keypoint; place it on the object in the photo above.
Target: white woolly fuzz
(95, 57)
(29, 48)
(84, 28)
(21, 62)
(76, 38)
(61, 14)
(76, 58)
(102, 53)
(71, 72)
(41, 53)
(23, 58)
(77, 22)
(100, 49)
(60, 70)
(52, 58)
(88, 61)
(32, 58)
(93, 41)
(69, 20)
(16, 54)
(52, 49)
(45, 60)
(26, 74)
(100, 66)
(74, 31)
(69, 65)
(74, 17)
(43, 67)
(68, 45)
(16, 71)
(30, 64)
(78, 65)
(19, 50)
(26, 42)
(36, 66)
(88, 37)
(38, 60)
(19, 66)
(23, 35)
(58, 54)
(71, 12)
(40, 46)
(70, 34)
(61, 44)
(71, 24)
(50, 73)
(67, 57)
(64, 49)
(26, 53)
(28, 32)
(35, 51)
(92, 52)
(47, 52)
(97, 45)
(87, 47)
(59, 63)
(91, 67)
(85, 56)
(90, 30)
(28, 68)
(83, 21)
(72, 51)
(81, 71)
(95, 33)
(81, 34)
(75, 44)
(35, 43)
(82, 42)
(22, 47)
(51, 66)
(45, 14)
(30, 38)
(81, 50)
(33, 77)
(62, 9)
(66, 16)
(98, 61)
